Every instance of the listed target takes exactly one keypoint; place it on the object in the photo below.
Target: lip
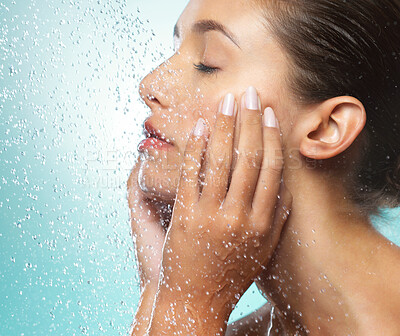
(154, 138)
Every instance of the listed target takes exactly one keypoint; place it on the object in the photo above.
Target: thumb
(142, 212)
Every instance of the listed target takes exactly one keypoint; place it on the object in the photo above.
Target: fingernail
(200, 128)
(228, 107)
(252, 100)
(270, 119)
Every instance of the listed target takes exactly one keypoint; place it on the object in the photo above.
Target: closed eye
(205, 68)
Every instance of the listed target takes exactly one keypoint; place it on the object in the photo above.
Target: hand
(149, 220)
(220, 238)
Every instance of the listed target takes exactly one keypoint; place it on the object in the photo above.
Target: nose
(161, 87)
(157, 88)
(149, 93)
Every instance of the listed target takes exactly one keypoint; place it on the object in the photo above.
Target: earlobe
(336, 123)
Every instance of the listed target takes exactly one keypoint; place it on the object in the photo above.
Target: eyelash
(205, 69)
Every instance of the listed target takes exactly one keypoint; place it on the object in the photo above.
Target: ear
(331, 127)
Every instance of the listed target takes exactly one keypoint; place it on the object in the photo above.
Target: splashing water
(70, 123)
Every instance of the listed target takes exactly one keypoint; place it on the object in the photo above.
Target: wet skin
(179, 91)
(308, 277)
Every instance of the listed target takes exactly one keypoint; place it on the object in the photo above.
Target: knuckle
(224, 124)
(188, 157)
(191, 144)
(187, 168)
(235, 219)
(191, 160)
(220, 160)
(189, 176)
(274, 172)
(272, 135)
(251, 158)
(275, 164)
(273, 159)
(252, 118)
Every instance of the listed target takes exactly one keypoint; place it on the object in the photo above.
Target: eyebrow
(204, 26)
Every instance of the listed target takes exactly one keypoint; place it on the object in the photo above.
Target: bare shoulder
(255, 324)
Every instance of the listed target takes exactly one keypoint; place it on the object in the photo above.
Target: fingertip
(228, 107)
(269, 118)
(251, 99)
(200, 130)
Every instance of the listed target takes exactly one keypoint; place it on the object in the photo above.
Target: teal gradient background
(71, 119)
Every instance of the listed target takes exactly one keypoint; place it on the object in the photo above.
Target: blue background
(70, 123)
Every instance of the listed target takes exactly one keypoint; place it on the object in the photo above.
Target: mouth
(151, 132)
(154, 138)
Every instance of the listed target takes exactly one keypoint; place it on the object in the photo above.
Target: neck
(332, 273)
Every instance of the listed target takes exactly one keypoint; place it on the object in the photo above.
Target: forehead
(242, 17)
(260, 56)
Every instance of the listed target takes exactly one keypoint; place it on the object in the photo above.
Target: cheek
(207, 108)
(182, 120)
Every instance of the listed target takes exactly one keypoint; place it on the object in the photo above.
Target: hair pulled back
(349, 47)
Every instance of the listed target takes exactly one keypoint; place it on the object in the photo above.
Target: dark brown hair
(349, 47)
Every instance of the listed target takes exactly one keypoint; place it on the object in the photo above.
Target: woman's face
(221, 46)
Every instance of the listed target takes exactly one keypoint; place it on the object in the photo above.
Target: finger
(137, 201)
(148, 236)
(189, 186)
(265, 197)
(219, 159)
(245, 174)
(143, 211)
(132, 184)
(282, 213)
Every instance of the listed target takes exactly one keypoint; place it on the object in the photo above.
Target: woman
(329, 72)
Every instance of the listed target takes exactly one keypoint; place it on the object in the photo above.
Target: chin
(157, 182)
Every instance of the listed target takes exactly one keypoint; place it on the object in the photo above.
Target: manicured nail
(200, 129)
(270, 119)
(228, 107)
(252, 100)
